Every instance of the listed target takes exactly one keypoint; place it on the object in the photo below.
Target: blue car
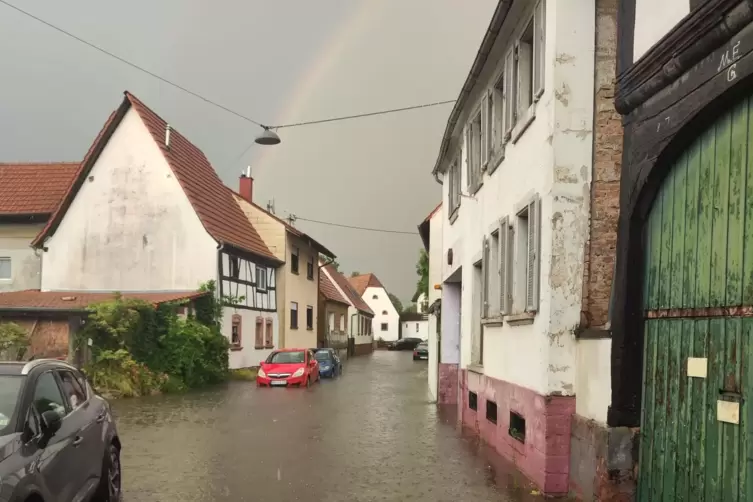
(329, 364)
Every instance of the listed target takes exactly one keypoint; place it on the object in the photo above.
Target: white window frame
(474, 141)
(9, 261)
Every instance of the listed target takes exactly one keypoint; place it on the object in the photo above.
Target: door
(698, 301)
(61, 458)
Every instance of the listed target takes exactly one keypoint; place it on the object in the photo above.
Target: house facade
(529, 165)
(298, 291)
(29, 194)
(414, 325)
(333, 316)
(443, 362)
(680, 347)
(386, 322)
(146, 212)
(360, 315)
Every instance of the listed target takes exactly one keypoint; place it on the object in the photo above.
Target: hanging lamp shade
(267, 137)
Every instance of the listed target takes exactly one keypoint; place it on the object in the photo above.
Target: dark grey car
(58, 441)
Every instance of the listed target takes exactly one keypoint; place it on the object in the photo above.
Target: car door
(60, 460)
(85, 412)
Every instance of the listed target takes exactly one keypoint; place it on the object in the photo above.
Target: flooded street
(370, 435)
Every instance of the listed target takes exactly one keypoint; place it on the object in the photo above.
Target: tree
(396, 302)
(411, 309)
(422, 269)
(355, 273)
(329, 261)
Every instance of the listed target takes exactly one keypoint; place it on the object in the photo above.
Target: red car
(288, 368)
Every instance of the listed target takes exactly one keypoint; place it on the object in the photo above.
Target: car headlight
(298, 372)
(261, 373)
(325, 367)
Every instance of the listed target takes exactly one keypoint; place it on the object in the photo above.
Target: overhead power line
(353, 227)
(205, 99)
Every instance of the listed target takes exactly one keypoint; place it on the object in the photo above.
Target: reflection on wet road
(370, 435)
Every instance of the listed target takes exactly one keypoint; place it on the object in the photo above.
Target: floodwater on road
(369, 435)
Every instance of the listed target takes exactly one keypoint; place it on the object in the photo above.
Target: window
(343, 323)
(293, 315)
(473, 142)
(309, 317)
(294, 260)
(416, 327)
(269, 334)
(5, 267)
(491, 411)
(529, 63)
(331, 321)
(235, 333)
(72, 389)
(472, 400)
(384, 312)
(47, 396)
(526, 272)
(375, 297)
(505, 265)
(517, 427)
(261, 278)
(310, 269)
(454, 188)
(259, 333)
(235, 267)
(384, 326)
(499, 102)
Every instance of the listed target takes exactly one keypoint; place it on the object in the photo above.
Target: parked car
(58, 440)
(404, 344)
(421, 351)
(329, 362)
(288, 368)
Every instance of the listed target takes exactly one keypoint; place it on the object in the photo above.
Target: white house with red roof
(146, 212)
(360, 315)
(386, 323)
(29, 194)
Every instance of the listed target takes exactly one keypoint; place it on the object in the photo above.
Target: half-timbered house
(146, 212)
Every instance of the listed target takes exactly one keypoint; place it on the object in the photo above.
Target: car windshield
(323, 355)
(10, 385)
(296, 357)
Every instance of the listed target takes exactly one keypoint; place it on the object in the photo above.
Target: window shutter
(485, 278)
(468, 155)
(509, 94)
(523, 93)
(539, 45)
(259, 333)
(495, 98)
(269, 341)
(485, 132)
(504, 273)
(533, 266)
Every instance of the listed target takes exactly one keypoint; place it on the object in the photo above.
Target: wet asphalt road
(370, 435)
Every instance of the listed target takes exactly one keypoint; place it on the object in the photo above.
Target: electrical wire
(353, 227)
(207, 100)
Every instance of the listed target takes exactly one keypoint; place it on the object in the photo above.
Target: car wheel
(110, 482)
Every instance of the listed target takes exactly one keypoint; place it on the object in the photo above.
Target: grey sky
(277, 62)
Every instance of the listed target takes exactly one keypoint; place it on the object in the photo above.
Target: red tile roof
(433, 212)
(34, 299)
(353, 297)
(361, 282)
(34, 188)
(330, 291)
(213, 203)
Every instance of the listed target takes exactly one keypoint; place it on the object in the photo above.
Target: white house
(414, 325)
(146, 212)
(442, 374)
(360, 316)
(29, 194)
(386, 323)
(517, 161)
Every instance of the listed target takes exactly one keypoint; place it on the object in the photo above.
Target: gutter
(500, 14)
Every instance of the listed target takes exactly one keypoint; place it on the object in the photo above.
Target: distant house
(414, 325)
(146, 213)
(333, 315)
(298, 277)
(360, 316)
(386, 317)
(29, 194)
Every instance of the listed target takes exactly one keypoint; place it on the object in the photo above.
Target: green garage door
(698, 299)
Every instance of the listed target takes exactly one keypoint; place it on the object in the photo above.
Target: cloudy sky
(278, 62)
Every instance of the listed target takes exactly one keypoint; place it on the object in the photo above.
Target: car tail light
(415, 352)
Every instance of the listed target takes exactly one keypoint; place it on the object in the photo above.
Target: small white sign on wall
(697, 367)
(728, 411)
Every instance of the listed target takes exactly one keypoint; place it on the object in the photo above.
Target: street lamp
(267, 137)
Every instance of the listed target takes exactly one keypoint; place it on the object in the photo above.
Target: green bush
(138, 349)
(14, 341)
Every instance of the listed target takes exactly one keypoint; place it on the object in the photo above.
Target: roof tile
(353, 296)
(34, 188)
(364, 281)
(329, 290)
(75, 300)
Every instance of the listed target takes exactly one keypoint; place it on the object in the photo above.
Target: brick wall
(605, 185)
(48, 338)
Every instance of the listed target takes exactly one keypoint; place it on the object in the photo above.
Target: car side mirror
(51, 423)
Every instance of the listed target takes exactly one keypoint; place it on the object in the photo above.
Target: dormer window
(375, 297)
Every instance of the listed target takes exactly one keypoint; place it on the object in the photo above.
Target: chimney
(246, 185)
(167, 136)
